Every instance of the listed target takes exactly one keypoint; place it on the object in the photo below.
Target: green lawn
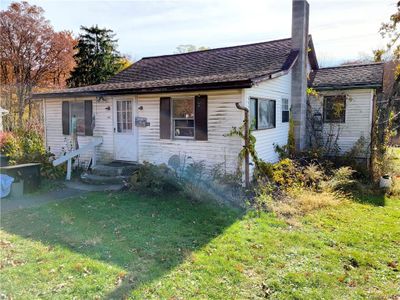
(107, 246)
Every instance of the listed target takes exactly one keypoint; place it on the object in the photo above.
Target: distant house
(184, 104)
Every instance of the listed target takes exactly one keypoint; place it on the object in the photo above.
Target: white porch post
(69, 167)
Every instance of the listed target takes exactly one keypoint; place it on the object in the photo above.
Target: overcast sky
(341, 29)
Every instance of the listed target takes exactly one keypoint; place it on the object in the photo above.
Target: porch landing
(113, 173)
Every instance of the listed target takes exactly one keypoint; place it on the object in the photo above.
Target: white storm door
(125, 133)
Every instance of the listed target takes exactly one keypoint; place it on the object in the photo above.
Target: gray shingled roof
(228, 67)
(348, 76)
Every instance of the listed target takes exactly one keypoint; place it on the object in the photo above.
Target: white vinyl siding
(274, 89)
(222, 116)
(103, 127)
(358, 116)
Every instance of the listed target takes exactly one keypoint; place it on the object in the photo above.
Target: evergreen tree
(97, 58)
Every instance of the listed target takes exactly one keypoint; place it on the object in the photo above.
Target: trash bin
(17, 189)
(5, 185)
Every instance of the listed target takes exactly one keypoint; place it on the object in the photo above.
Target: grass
(394, 161)
(125, 245)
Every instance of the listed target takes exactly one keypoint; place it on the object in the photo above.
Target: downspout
(246, 144)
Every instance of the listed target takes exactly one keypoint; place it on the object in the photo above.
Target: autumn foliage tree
(32, 56)
(387, 117)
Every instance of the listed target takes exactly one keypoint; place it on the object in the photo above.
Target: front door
(125, 133)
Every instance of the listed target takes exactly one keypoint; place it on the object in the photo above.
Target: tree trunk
(21, 105)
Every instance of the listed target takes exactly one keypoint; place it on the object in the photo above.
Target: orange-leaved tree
(32, 55)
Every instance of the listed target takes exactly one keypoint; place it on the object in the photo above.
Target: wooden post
(69, 168)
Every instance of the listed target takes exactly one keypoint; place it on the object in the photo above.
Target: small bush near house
(26, 145)
(155, 180)
(194, 181)
(10, 146)
(313, 176)
(287, 173)
(341, 180)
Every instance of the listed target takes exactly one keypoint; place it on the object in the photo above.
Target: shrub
(155, 180)
(342, 180)
(10, 146)
(26, 145)
(195, 170)
(282, 151)
(286, 173)
(32, 145)
(313, 175)
(263, 170)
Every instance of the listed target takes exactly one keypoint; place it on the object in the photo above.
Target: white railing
(67, 157)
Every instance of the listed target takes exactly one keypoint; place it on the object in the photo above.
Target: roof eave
(312, 56)
(347, 87)
(287, 66)
(152, 90)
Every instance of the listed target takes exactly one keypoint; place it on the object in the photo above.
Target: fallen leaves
(394, 265)
(9, 262)
(5, 244)
(120, 278)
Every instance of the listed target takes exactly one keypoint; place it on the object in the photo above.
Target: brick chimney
(300, 15)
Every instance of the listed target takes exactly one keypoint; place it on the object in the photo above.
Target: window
(334, 109)
(124, 116)
(77, 109)
(253, 113)
(262, 113)
(285, 110)
(183, 117)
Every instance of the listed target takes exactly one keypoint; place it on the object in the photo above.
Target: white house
(185, 104)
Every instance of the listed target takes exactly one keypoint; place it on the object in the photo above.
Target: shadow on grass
(371, 197)
(145, 236)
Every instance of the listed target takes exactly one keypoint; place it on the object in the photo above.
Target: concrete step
(114, 170)
(103, 180)
(79, 185)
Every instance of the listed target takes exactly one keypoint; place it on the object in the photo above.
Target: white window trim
(175, 137)
(127, 131)
(258, 111)
(70, 117)
(282, 110)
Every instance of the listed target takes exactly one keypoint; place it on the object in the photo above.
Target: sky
(342, 30)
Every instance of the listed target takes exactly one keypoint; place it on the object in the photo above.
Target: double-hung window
(262, 113)
(79, 115)
(183, 118)
(335, 109)
(285, 110)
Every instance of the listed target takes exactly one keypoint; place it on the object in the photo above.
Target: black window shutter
(165, 118)
(274, 113)
(88, 117)
(201, 116)
(65, 117)
(285, 116)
